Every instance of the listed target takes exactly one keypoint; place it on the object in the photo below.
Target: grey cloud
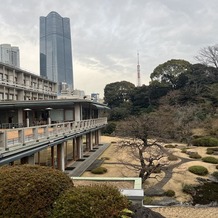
(107, 34)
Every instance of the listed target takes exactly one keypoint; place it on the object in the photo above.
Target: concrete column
(65, 146)
(31, 159)
(77, 112)
(28, 159)
(60, 157)
(74, 149)
(89, 141)
(20, 116)
(52, 157)
(39, 158)
(79, 147)
(96, 137)
(99, 136)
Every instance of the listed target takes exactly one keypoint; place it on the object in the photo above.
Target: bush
(210, 159)
(195, 155)
(215, 174)
(170, 146)
(216, 166)
(189, 189)
(30, 190)
(99, 170)
(172, 158)
(109, 129)
(184, 150)
(198, 170)
(209, 151)
(169, 193)
(91, 201)
(147, 200)
(205, 141)
(105, 158)
(157, 170)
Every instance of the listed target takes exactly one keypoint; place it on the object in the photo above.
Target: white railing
(11, 139)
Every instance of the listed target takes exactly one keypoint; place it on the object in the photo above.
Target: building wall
(55, 50)
(16, 84)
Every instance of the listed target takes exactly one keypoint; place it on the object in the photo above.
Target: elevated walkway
(80, 166)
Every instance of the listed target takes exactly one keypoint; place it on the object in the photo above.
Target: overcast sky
(106, 35)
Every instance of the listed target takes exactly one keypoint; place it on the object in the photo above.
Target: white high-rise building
(10, 55)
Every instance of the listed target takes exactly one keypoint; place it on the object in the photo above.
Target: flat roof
(53, 103)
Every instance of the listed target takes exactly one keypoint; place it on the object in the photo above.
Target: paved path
(81, 166)
(168, 175)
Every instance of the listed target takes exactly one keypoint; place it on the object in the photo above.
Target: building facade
(10, 55)
(19, 85)
(55, 50)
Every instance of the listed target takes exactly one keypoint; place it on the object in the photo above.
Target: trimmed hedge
(169, 193)
(210, 159)
(30, 190)
(189, 189)
(205, 141)
(99, 170)
(91, 201)
(215, 174)
(212, 150)
(169, 146)
(195, 156)
(172, 157)
(198, 170)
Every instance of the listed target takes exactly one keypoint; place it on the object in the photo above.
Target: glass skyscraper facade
(10, 55)
(55, 50)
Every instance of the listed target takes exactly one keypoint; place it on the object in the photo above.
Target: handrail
(18, 138)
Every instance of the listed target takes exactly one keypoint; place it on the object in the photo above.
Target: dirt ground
(179, 177)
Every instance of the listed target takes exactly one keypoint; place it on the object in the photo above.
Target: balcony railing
(12, 139)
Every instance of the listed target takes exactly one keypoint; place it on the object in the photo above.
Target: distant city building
(10, 55)
(95, 97)
(55, 50)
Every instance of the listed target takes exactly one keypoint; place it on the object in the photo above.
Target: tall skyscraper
(55, 50)
(10, 55)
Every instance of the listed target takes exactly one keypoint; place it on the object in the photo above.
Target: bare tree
(146, 155)
(145, 134)
(208, 56)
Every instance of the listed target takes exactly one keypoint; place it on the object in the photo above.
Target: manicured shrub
(157, 170)
(189, 189)
(105, 158)
(30, 190)
(215, 174)
(169, 193)
(205, 141)
(198, 170)
(91, 201)
(170, 146)
(172, 158)
(99, 170)
(195, 155)
(209, 151)
(210, 159)
(184, 150)
(147, 200)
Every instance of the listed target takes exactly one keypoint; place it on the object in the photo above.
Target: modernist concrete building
(10, 55)
(55, 50)
(18, 84)
(49, 132)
